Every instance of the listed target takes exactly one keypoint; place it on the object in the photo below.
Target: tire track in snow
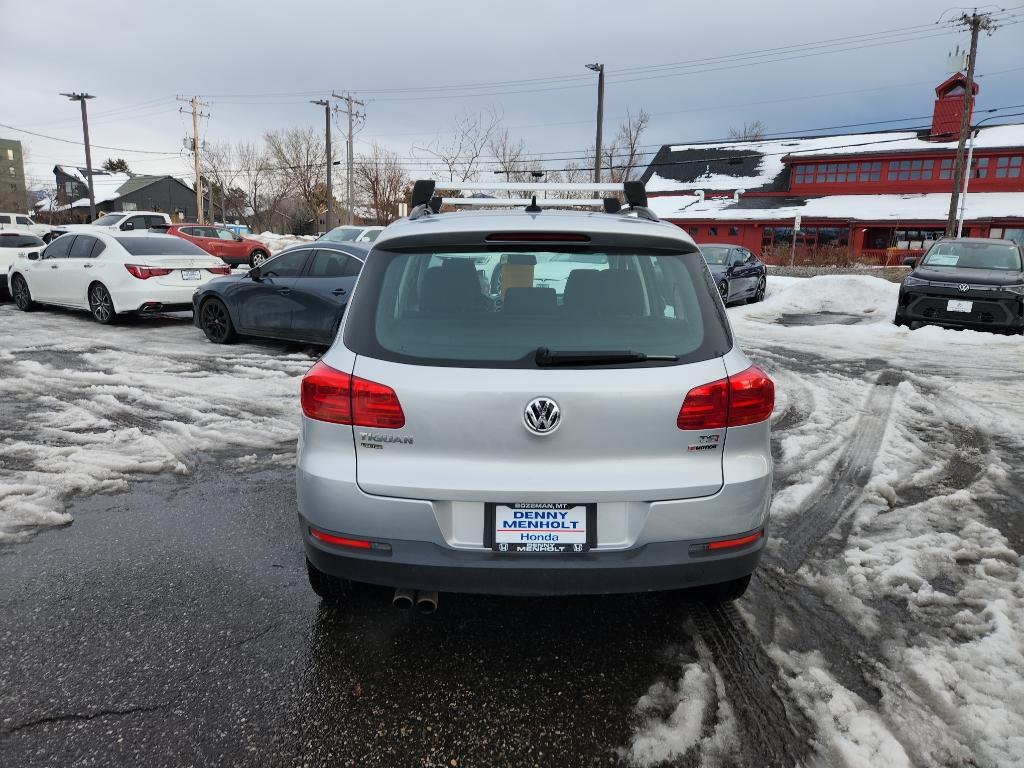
(775, 731)
(853, 470)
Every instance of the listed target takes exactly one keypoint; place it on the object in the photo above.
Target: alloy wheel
(258, 258)
(723, 290)
(759, 296)
(101, 305)
(215, 321)
(19, 291)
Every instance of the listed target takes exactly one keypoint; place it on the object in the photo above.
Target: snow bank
(277, 242)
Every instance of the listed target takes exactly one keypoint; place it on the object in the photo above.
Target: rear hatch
(615, 345)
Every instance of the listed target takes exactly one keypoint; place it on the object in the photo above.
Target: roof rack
(424, 203)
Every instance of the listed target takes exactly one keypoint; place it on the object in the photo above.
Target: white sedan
(112, 273)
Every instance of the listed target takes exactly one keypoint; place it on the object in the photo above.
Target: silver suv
(534, 403)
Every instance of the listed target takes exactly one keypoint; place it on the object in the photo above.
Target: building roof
(106, 186)
(907, 207)
(761, 165)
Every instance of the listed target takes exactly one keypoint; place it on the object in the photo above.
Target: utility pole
(82, 98)
(977, 22)
(352, 115)
(330, 162)
(195, 104)
(599, 68)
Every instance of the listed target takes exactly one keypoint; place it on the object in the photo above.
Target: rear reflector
(144, 273)
(219, 270)
(339, 541)
(726, 544)
(336, 397)
(746, 398)
(538, 237)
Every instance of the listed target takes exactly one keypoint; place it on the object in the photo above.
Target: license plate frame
(191, 274)
(540, 548)
(959, 305)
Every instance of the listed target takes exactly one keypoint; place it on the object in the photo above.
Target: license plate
(955, 305)
(541, 527)
(191, 274)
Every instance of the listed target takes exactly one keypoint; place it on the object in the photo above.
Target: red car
(221, 241)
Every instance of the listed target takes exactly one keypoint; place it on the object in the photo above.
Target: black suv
(966, 282)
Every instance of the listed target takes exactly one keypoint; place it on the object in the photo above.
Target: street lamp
(967, 174)
(599, 68)
(83, 97)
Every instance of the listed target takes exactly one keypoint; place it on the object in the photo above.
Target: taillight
(746, 398)
(330, 395)
(219, 270)
(144, 273)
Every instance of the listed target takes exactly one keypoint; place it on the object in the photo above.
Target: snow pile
(86, 407)
(277, 242)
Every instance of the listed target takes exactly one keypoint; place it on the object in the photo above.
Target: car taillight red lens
(144, 273)
(219, 270)
(751, 397)
(330, 395)
(746, 398)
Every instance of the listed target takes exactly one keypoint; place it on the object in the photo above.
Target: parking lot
(156, 609)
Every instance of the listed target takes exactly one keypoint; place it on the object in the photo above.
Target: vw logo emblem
(542, 416)
(963, 287)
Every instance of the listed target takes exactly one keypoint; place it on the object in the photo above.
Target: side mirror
(128, 226)
(910, 261)
(255, 274)
(34, 256)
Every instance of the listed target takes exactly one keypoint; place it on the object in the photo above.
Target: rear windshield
(715, 254)
(496, 308)
(167, 245)
(973, 256)
(20, 241)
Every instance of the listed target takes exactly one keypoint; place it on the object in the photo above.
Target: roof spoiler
(424, 203)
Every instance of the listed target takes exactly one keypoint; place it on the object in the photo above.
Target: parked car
(738, 273)
(111, 273)
(221, 241)
(12, 245)
(606, 435)
(352, 234)
(965, 283)
(298, 295)
(132, 220)
(21, 222)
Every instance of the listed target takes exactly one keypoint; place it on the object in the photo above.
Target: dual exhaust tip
(425, 602)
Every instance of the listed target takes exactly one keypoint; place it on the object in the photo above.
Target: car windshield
(166, 245)
(370, 235)
(473, 308)
(715, 254)
(109, 220)
(20, 241)
(969, 255)
(342, 234)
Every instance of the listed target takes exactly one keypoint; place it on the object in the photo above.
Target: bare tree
(461, 154)
(261, 185)
(381, 181)
(753, 131)
(298, 157)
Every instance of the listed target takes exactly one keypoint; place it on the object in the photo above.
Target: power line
(98, 146)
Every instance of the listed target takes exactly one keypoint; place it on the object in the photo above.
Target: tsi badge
(375, 441)
(705, 443)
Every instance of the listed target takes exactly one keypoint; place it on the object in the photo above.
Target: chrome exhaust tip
(426, 602)
(403, 599)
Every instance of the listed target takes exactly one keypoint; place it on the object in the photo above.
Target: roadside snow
(279, 242)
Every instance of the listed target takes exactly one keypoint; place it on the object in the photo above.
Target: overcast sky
(259, 63)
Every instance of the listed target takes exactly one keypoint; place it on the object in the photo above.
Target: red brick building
(875, 196)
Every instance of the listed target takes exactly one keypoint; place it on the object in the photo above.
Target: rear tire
(21, 294)
(258, 257)
(725, 592)
(216, 322)
(329, 588)
(723, 291)
(762, 285)
(101, 305)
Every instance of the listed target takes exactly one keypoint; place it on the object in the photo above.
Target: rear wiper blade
(547, 358)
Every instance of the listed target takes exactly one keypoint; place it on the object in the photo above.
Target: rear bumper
(169, 298)
(427, 566)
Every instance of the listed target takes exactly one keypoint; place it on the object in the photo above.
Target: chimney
(949, 105)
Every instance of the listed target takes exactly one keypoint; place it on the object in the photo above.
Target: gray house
(118, 192)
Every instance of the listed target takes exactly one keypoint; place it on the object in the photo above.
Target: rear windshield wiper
(547, 358)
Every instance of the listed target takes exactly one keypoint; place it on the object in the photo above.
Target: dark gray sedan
(738, 273)
(298, 295)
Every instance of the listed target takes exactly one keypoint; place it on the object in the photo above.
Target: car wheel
(329, 588)
(725, 592)
(258, 257)
(21, 295)
(101, 305)
(723, 290)
(759, 293)
(216, 322)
